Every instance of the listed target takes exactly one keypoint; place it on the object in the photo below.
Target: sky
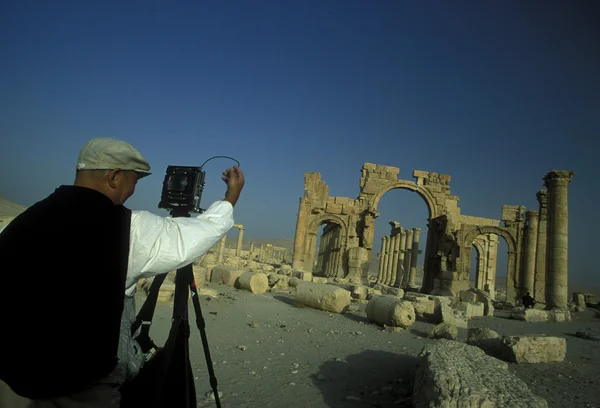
(493, 93)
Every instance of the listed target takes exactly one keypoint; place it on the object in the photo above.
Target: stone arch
(412, 186)
(480, 254)
(311, 239)
(512, 283)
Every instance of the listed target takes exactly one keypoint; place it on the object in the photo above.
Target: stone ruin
(537, 239)
(265, 253)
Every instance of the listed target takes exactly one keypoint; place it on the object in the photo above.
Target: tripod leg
(201, 327)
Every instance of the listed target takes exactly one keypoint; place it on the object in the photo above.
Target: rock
(199, 275)
(234, 261)
(267, 267)
(285, 270)
(471, 309)
(225, 275)
(467, 296)
(302, 275)
(424, 305)
(358, 291)
(533, 349)
(166, 292)
(486, 339)
(389, 290)
(586, 336)
(319, 279)
(373, 292)
(390, 311)
(444, 331)
(207, 292)
(485, 298)
(453, 374)
(323, 297)
(255, 282)
(277, 281)
(211, 395)
(447, 314)
(537, 316)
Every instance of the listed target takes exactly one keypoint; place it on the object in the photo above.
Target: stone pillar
(298, 256)
(396, 253)
(386, 256)
(407, 256)
(221, 249)
(401, 271)
(312, 247)
(238, 249)
(380, 272)
(251, 250)
(539, 287)
(531, 232)
(492, 264)
(557, 265)
(412, 279)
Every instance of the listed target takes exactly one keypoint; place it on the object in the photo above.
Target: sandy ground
(301, 357)
(267, 352)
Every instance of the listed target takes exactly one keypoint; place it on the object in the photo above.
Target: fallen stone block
(467, 296)
(319, 279)
(486, 339)
(255, 282)
(359, 291)
(199, 275)
(444, 331)
(285, 270)
(472, 309)
(484, 298)
(323, 297)
(533, 349)
(166, 291)
(389, 290)
(446, 313)
(267, 267)
(277, 281)
(454, 374)
(373, 292)
(225, 275)
(302, 275)
(539, 316)
(390, 311)
(207, 292)
(233, 261)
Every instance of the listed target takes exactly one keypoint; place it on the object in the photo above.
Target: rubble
(390, 311)
(533, 349)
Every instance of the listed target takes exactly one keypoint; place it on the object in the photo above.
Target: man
(71, 263)
(528, 301)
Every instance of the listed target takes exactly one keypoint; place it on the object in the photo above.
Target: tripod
(180, 330)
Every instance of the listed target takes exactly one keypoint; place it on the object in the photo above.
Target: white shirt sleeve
(162, 244)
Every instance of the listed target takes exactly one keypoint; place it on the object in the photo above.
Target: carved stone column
(221, 249)
(380, 273)
(299, 238)
(400, 268)
(492, 264)
(407, 256)
(396, 252)
(238, 249)
(539, 286)
(557, 250)
(412, 279)
(531, 233)
(386, 257)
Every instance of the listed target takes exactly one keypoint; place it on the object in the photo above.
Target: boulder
(444, 331)
(390, 311)
(446, 313)
(454, 374)
(486, 339)
(359, 291)
(255, 282)
(323, 297)
(538, 316)
(533, 349)
(285, 270)
(277, 281)
(467, 296)
(200, 273)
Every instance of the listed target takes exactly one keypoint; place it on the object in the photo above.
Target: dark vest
(63, 268)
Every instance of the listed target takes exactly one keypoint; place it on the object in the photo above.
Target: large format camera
(182, 189)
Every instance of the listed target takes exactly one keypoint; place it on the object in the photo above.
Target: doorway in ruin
(488, 268)
(326, 243)
(400, 238)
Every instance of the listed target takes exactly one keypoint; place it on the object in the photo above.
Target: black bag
(166, 380)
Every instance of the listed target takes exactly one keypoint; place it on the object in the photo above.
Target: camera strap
(145, 315)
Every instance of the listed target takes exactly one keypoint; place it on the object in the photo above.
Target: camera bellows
(255, 282)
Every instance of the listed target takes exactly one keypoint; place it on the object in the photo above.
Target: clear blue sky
(494, 93)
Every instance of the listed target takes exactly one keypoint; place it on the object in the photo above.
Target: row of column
(545, 273)
(398, 258)
(329, 258)
(487, 250)
(238, 250)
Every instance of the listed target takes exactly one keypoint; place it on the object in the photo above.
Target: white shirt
(159, 245)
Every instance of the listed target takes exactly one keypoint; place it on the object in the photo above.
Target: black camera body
(182, 189)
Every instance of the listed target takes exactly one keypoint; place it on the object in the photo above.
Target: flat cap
(105, 153)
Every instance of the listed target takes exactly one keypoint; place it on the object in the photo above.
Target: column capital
(531, 214)
(558, 178)
(542, 197)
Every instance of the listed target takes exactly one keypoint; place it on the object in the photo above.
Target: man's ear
(112, 178)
